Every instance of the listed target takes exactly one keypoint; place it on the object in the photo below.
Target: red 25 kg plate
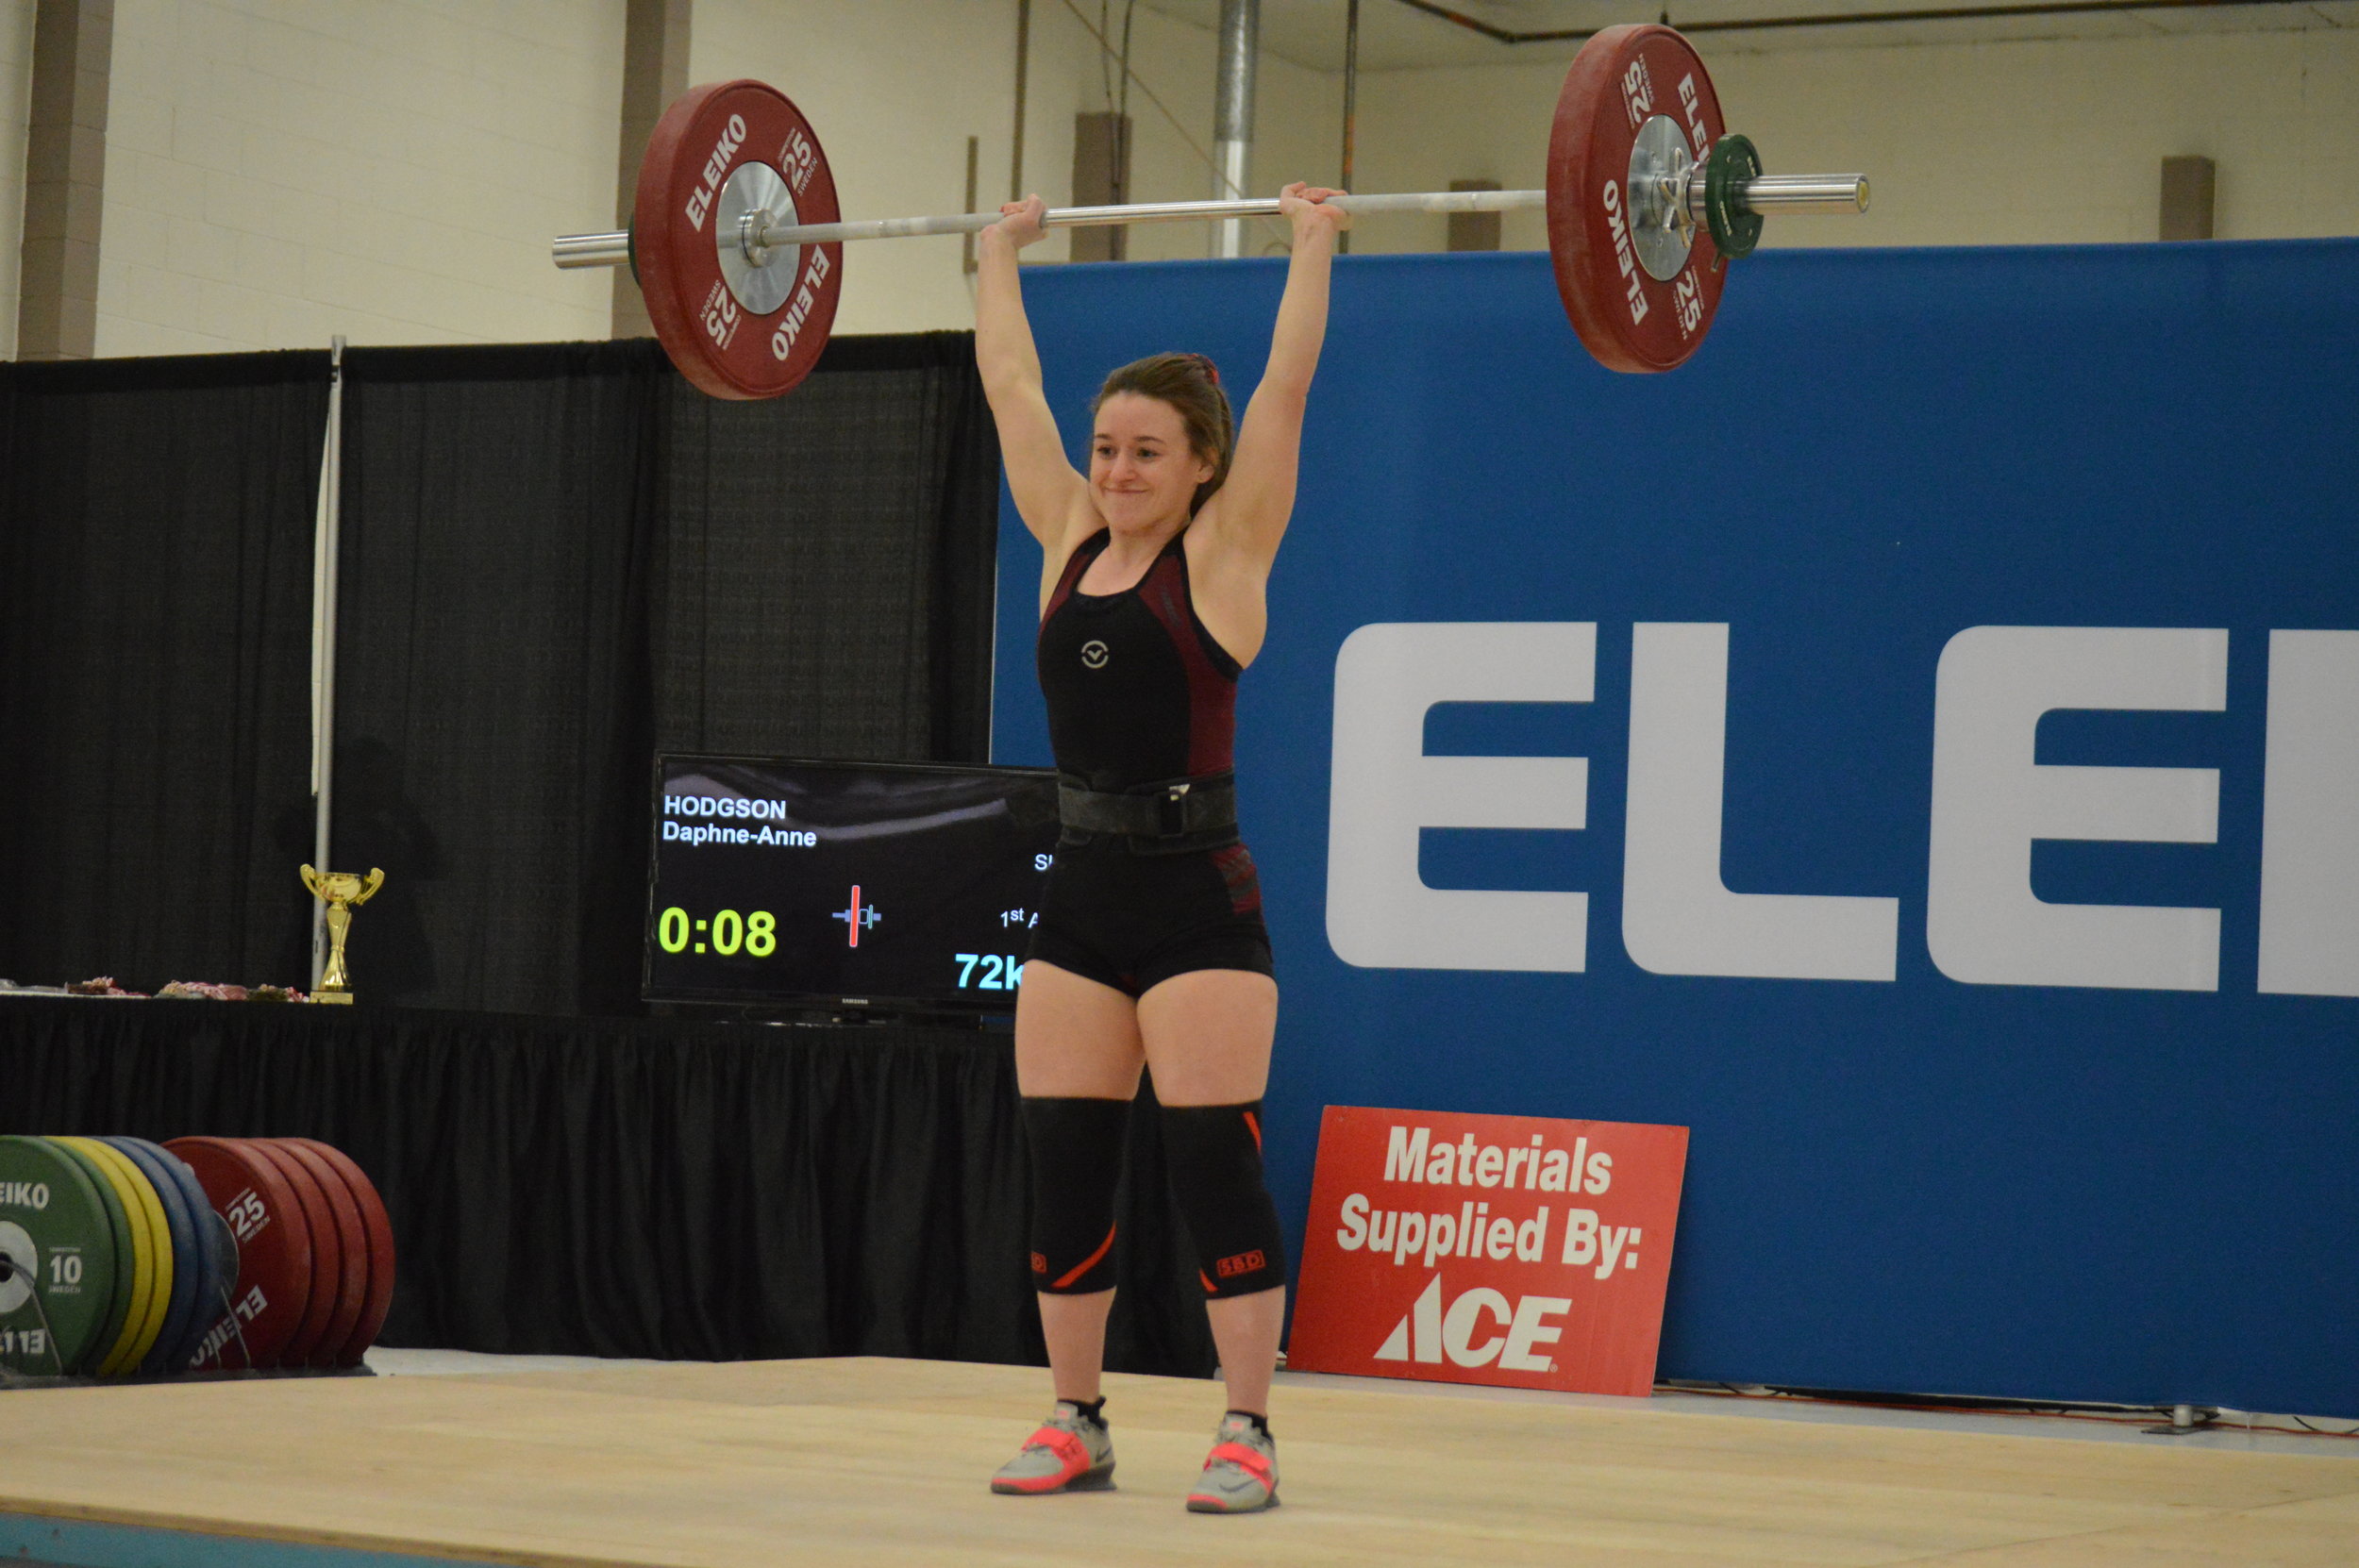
(718, 342)
(274, 1281)
(1620, 80)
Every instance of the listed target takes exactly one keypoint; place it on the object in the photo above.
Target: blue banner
(1915, 745)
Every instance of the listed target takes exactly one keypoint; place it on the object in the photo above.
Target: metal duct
(1232, 116)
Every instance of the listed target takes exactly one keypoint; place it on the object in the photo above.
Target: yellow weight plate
(139, 1201)
(159, 1236)
(136, 1260)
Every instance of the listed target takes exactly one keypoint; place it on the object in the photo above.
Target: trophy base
(342, 996)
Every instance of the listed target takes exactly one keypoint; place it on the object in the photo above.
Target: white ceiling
(1396, 36)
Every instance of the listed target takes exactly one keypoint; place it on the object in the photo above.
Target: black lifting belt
(1173, 809)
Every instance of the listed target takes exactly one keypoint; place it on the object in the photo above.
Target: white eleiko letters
(2310, 816)
(1380, 912)
(1991, 799)
(1678, 916)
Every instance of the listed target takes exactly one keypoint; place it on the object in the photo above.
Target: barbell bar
(737, 241)
(760, 231)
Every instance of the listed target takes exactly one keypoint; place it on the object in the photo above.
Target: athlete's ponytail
(1191, 384)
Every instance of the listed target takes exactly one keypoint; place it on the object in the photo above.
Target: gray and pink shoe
(1071, 1452)
(1240, 1473)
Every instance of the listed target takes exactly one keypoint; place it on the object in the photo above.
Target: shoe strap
(1251, 1460)
(1065, 1444)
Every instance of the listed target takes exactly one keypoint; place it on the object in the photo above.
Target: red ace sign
(1515, 1250)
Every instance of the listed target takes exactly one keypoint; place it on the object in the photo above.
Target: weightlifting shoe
(1071, 1452)
(1240, 1473)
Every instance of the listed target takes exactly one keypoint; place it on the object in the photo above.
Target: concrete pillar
(65, 175)
(655, 71)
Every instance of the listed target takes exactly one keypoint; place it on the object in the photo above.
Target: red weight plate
(1620, 80)
(327, 1261)
(380, 1227)
(720, 344)
(272, 1289)
(352, 1250)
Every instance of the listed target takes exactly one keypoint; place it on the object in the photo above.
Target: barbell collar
(1763, 193)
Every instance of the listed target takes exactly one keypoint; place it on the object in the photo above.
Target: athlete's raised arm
(1252, 508)
(1047, 490)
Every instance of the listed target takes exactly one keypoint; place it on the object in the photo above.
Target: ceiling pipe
(1351, 109)
(1844, 18)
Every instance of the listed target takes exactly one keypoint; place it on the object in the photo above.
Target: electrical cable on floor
(2113, 1415)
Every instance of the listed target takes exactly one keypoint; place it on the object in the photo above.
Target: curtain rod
(1842, 18)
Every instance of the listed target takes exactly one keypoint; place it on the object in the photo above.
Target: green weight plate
(1736, 230)
(60, 1238)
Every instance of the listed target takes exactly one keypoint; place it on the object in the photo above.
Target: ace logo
(1515, 1250)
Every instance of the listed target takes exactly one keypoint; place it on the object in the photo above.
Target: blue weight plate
(217, 1255)
(188, 1258)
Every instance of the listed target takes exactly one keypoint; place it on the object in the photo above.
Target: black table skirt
(685, 1190)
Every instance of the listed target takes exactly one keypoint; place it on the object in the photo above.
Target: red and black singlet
(1140, 694)
(1138, 690)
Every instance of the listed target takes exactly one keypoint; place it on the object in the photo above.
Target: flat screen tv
(886, 886)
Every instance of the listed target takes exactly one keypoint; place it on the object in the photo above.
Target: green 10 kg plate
(59, 1244)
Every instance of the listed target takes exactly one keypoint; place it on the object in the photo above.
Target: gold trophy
(342, 893)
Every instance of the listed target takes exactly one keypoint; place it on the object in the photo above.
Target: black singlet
(1138, 690)
(1140, 694)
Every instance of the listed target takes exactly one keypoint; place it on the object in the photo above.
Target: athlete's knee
(1077, 1153)
(1214, 1156)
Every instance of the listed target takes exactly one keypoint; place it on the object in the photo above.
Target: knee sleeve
(1076, 1153)
(1215, 1155)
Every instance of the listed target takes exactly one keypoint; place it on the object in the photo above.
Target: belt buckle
(1171, 810)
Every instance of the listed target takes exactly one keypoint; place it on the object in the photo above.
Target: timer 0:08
(756, 932)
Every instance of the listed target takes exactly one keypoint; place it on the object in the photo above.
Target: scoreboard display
(865, 884)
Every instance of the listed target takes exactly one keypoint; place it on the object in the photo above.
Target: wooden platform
(879, 1461)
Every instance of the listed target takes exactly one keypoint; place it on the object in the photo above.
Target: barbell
(737, 241)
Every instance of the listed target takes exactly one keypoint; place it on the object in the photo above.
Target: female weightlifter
(1150, 946)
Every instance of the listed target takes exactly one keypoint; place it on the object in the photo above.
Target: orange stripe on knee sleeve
(1087, 1263)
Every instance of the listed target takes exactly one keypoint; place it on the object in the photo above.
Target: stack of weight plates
(119, 1257)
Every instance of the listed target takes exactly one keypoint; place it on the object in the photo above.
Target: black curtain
(555, 557)
(639, 1187)
(558, 558)
(826, 585)
(156, 528)
(493, 720)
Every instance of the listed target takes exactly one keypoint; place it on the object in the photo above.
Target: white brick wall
(279, 171)
(16, 94)
(2048, 142)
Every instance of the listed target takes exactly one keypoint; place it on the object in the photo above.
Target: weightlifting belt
(1176, 807)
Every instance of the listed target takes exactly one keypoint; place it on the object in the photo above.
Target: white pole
(326, 538)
